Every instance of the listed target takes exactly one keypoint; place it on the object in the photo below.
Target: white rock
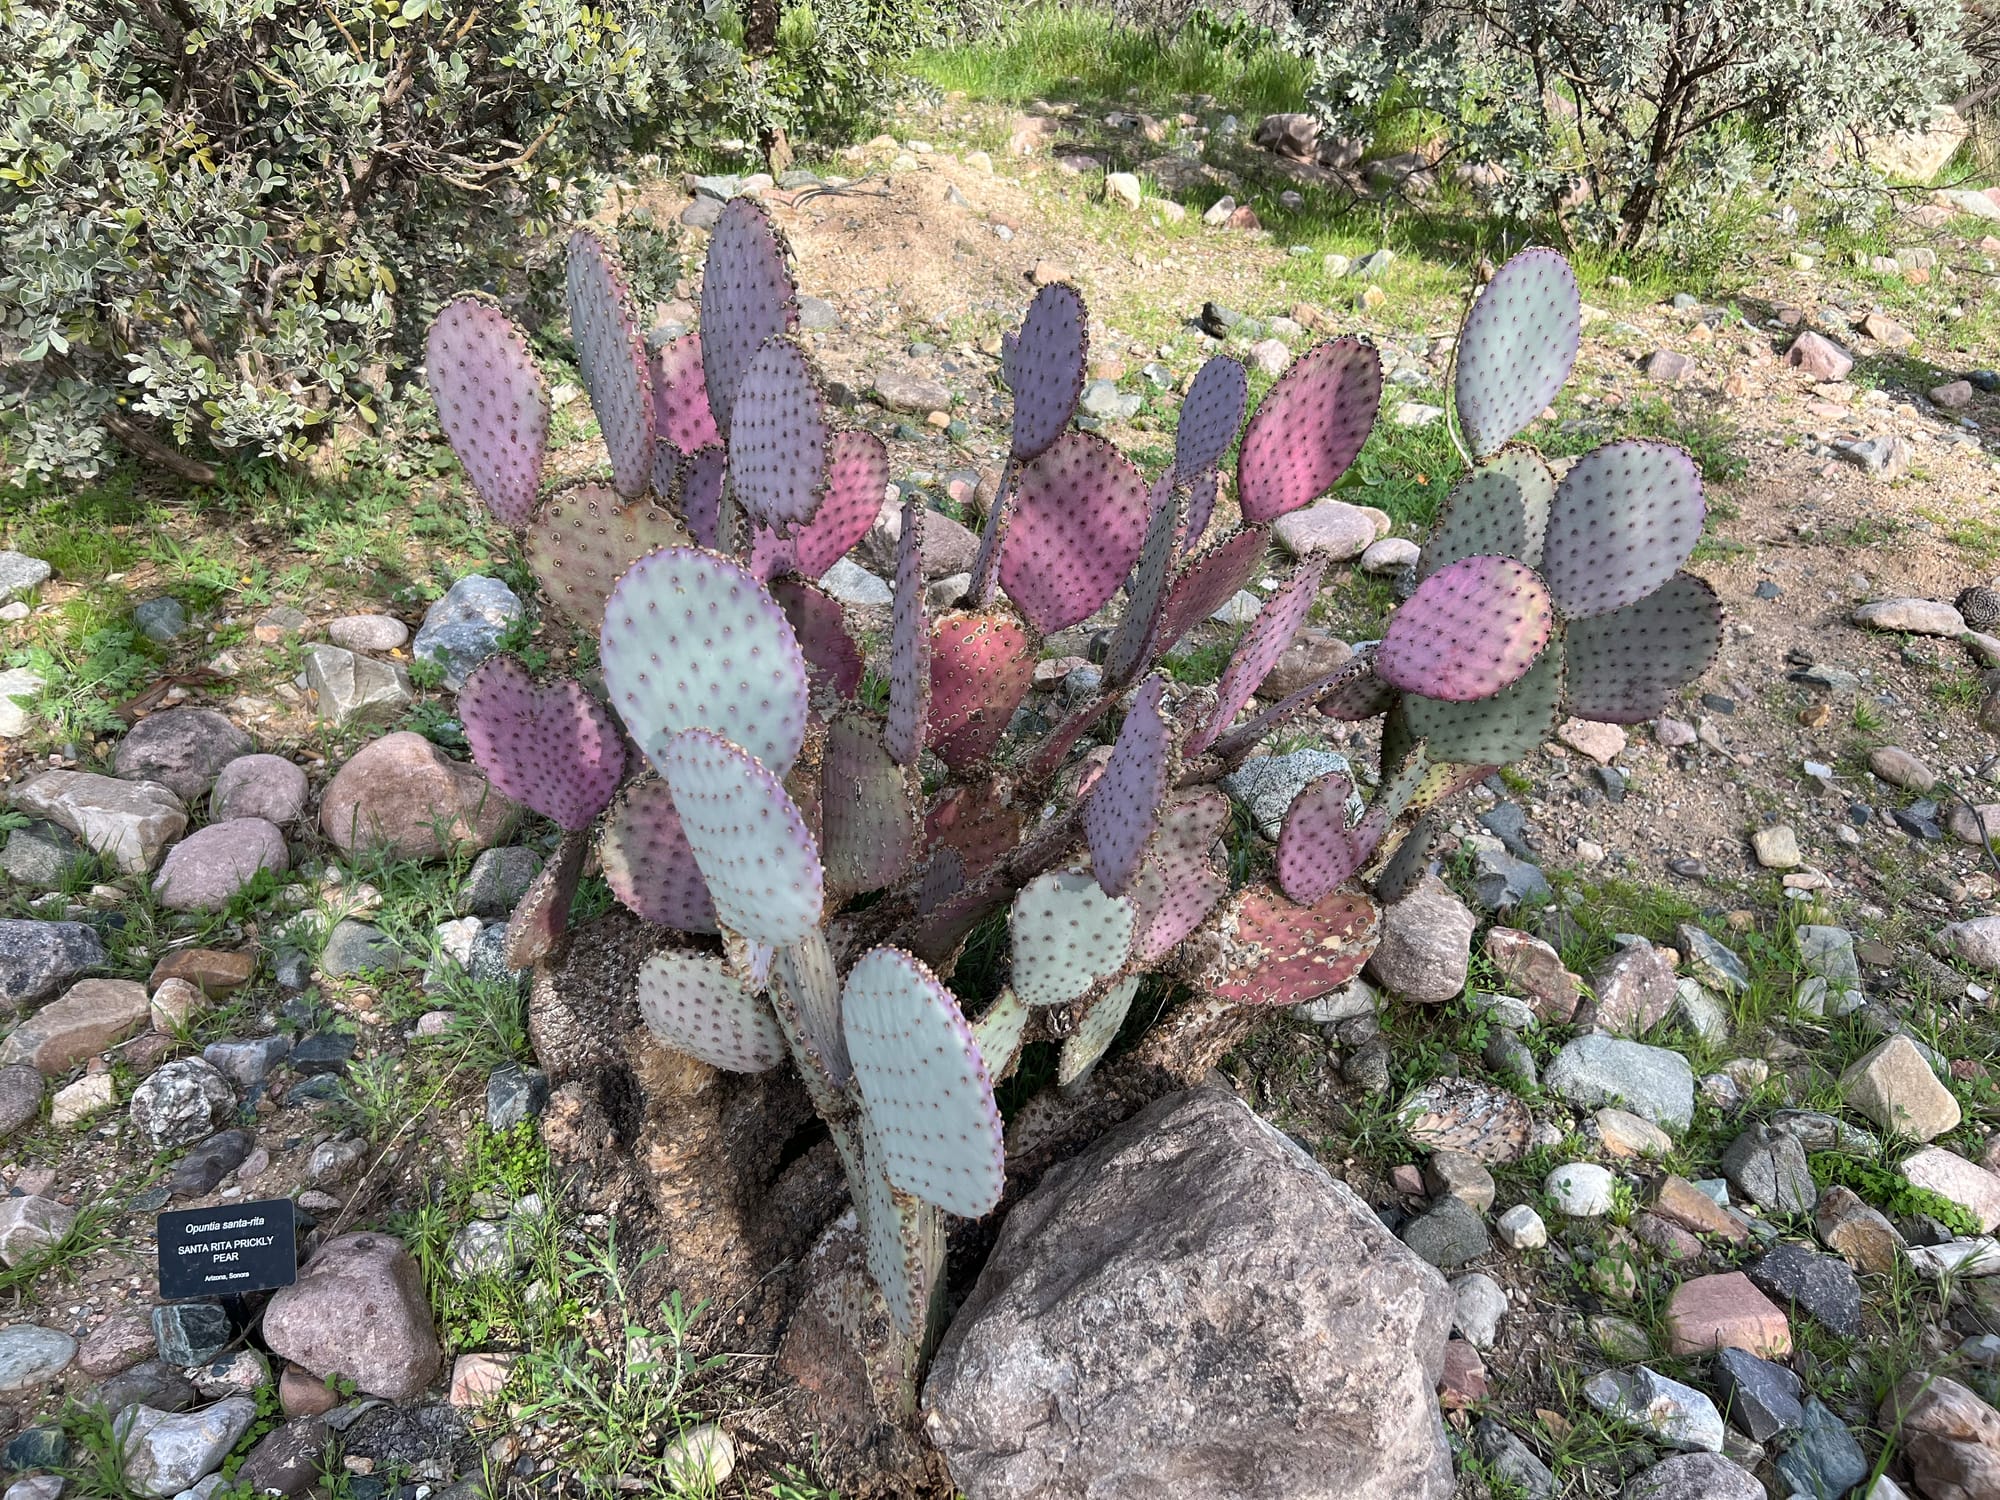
(15, 720)
(1479, 1304)
(1390, 555)
(1521, 1228)
(1580, 1189)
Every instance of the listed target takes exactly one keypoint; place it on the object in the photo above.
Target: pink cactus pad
(943, 877)
(541, 917)
(974, 823)
(492, 403)
(680, 396)
(770, 554)
(1051, 753)
(1625, 518)
(1180, 882)
(611, 357)
(778, 440)
(747, 297)
(857, 479)
(553, 748)
(1359, 696)
(1079, 518)
(1123, 808)
(1316, 849)
(909, 643)
(760, 860)
(1275, 952)
(1308, 428)
(1211, 412)
(981, 668)
(868, 825)
(923, 1084)
(691, 640)
(1208, 583)
(1623, 666)
(1044, 365)
(833, 660)
(585, 538)
(1472, 628)
(694, 1005)
(1262, 644)
(701, 495)
(647, 861)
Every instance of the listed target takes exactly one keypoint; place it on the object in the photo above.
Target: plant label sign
(229, 1249)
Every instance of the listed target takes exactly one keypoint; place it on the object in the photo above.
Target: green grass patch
(1075, 52)
(1881, 1188)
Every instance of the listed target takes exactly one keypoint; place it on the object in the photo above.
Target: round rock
(358, 1310)
(258, 786)
(31, 1357)
(181, 748)
(205, 869)
(1580, 1189)
(183, 1101)
(403, 795)
(368, 633)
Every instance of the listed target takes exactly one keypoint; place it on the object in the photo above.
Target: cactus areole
(745, 790)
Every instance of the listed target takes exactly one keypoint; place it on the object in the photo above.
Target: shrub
(1624, 122)
(771, 800)
(221, 220)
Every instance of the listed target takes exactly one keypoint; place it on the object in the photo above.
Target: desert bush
(222, 220)
(1632, 122)
(823, 860)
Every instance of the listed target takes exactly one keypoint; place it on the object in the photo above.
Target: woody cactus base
(818, 865)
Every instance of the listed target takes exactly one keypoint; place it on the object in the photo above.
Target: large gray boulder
(1195, 1307)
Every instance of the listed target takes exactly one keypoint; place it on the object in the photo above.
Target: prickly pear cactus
(760, 763)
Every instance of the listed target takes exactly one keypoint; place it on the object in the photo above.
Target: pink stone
(1635, 989)
(1819, 357)
(477, 1379)
(1726, 1312)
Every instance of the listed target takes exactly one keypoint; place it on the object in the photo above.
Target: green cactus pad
(1068, 936)
(492, 403)
(611, 357)
(1095, 1033)
(1266, 950)
(867, 825)
(760, 860)
(999, 1033)
(778, 440)
(1472, 628)
(981, 667)
(903, 1239)
(1623, 666)
(690, 640)
(693, 1005)
(1123, 808)
(585, 538)
(1493, 731)
(1407, 865)
(928, 1095)
(1517, 347)
(1500, 509)
(1625, 517)
(1147, 589)
(647, 861)
(1180, 883)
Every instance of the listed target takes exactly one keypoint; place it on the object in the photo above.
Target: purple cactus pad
(701, 495)
(975, 824)
(833, 659)
(1471, 629)
(868, 824)
(1078, 521)
(611, 357)
(553, 748)
(647, 861)
(1147, 589)
(1208, 583)
(1044, 365)
(1211, 412)
(1308, 428)
(1279, 953)
(1179, 884)
(680, 396)
(492, 403)
(1316, 849)
(909, 644)
(1625, 518)
(747, 297)
(1262, 644)
(1623, 666)
(778, 440)
(1123, 808)
(584, 540)
(1202, 490)
(857, 478)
